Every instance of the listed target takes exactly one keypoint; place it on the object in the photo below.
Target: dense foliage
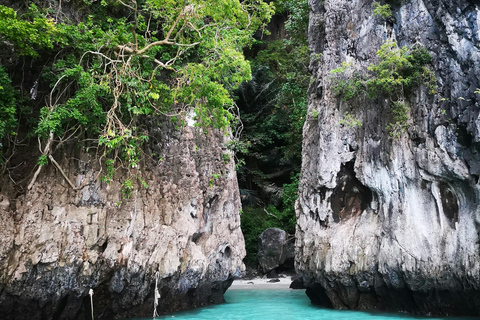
(273, 107)
(255, 220)
(111, 62)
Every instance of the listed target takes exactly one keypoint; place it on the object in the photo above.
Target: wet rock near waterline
(297, 283)
(392, 223)
(275, 250)
(183, 232)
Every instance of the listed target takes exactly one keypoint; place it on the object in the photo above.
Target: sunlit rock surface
(184, 231)
(393, 224)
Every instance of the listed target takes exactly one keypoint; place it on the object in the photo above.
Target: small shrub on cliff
(397, 72)
(351, 121)
(400, 118)
(383, 11)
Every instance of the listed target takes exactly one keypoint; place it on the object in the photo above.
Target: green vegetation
(226, 158)
(397, 72)
(400, 118)
(115, 62)
(8, 121)
(351, 121)
(273, 109)
(33, 32)
(255, 220)
(297, 22)
(383, 11)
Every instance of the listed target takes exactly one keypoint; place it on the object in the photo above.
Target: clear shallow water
(278, 305)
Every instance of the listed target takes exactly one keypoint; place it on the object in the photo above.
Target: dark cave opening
(350, 198)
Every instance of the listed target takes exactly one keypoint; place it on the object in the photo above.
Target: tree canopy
(109, 62)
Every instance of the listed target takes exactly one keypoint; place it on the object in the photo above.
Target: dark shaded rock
(318, 296)
(297, 283)
(274, 249)
(272, 274)
(274, 280)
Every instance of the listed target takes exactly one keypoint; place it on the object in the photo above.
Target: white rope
(90, 292)
(156, 297)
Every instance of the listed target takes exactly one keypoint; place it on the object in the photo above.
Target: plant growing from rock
(383, 11)
(400, 118)
(397, 72)
(351, 121)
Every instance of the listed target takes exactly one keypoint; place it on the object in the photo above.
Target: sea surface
(282, 304)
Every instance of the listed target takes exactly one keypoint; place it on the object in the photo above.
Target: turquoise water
(277, 305)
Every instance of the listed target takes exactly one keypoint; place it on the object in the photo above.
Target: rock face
(275, 248)
(393, 224)
(183, 232)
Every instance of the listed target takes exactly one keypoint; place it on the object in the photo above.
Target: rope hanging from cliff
(90, 292)
(156, 297)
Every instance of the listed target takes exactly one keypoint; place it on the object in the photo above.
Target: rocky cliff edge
(392, 223)
(180, 236)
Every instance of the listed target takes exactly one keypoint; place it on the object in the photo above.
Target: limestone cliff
(184, 231)
(387, 223)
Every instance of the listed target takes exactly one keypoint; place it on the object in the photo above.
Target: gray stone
(275, 247)
(383, 223)
(56, 243)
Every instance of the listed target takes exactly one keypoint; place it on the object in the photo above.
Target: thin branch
(126, 5)
(99, 54)
(271, 214)
(154, 44)
(53, 89)
(45, 151)
(61, 171)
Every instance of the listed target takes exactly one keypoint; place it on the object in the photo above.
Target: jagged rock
(274, 249)
(384, 223)
(57, 243)
(297, 283)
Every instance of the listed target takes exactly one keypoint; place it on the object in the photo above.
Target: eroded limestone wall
(393, 223)
(184, 230)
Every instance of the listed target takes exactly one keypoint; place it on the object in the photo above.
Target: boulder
(275, 249)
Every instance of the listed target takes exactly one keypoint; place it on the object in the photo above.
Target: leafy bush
(400, 70)
(397, 72)
(400, 118)
(297, 23)
(383, 11)
(126, 60)
(351, 121)
(8, 118)
(28, 35)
